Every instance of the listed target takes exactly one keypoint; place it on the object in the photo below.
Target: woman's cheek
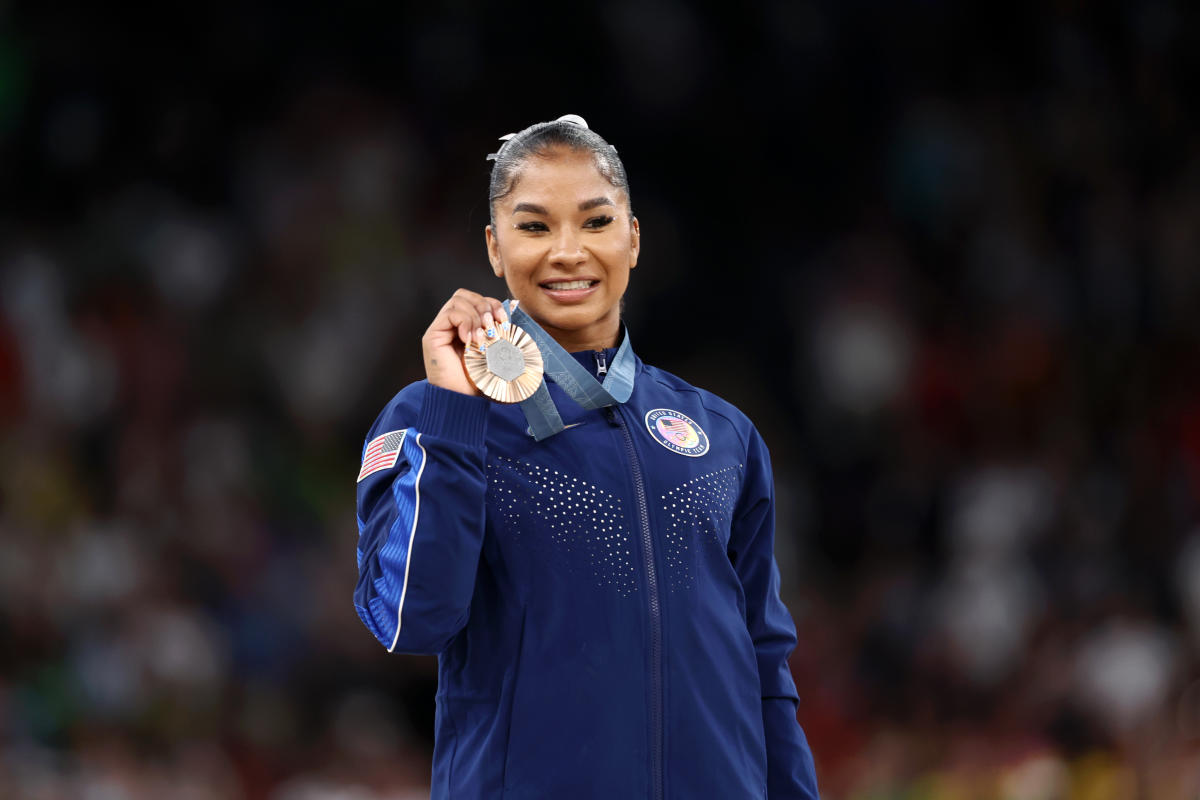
(523, 260)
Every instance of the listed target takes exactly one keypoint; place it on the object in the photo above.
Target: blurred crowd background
(948, 259)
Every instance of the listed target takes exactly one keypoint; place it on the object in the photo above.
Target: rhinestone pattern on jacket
(579, 519)
(699, 514)
(570, 522)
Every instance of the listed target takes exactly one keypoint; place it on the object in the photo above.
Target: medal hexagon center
(505, 360)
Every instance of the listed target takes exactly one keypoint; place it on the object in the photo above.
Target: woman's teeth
(564, 285)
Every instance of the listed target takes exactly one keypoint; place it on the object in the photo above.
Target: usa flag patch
(382, 453)
(677, 432)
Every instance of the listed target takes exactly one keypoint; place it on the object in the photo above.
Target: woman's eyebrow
(588, 205)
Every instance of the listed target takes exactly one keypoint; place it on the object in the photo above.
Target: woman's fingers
(475, 318)
(468, 319)
(464, 313)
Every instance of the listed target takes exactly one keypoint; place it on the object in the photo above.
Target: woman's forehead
(565, 177)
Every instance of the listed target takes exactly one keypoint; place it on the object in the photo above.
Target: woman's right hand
(463, 322)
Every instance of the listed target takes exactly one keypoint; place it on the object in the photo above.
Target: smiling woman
(564, 240)
(601, 592)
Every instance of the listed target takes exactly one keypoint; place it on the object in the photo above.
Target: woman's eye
(532, 226)
(598, 222)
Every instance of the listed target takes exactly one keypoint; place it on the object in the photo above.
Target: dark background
(947, 259)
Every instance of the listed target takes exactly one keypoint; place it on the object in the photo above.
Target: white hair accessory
(574, 119)
(504, 138)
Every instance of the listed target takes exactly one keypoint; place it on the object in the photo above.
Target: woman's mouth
(566, 285)
(567, 291)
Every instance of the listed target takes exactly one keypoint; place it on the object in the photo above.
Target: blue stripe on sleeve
(395, 555)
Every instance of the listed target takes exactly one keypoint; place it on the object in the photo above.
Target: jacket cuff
(791, 773)
(451, 415)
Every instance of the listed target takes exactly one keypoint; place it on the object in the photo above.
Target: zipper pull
(601, 364)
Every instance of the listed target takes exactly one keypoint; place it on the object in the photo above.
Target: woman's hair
(537, 140)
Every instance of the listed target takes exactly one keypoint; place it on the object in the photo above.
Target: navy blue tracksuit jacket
(604, 604)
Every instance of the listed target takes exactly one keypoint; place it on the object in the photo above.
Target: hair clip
(495, 155)
(574, 119)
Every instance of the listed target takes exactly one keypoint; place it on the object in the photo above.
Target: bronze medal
(510, 370)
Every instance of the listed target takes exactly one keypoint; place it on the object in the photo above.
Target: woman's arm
(790, 771)
(421, 491)
(421, 519)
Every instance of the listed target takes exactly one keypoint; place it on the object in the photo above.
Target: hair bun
(573, 118)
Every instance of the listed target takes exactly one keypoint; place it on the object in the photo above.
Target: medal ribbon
(540, 411)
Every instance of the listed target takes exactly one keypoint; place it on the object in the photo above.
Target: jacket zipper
(601, 364)
(656, 666)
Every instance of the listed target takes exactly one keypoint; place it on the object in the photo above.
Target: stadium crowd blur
(948, 261)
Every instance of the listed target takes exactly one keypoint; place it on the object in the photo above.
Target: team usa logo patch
(677, 432)
(381, 453)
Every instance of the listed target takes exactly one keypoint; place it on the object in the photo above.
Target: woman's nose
(567, 247)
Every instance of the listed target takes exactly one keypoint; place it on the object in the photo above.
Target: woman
(604, 601)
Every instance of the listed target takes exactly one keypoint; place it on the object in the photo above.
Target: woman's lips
(569, 291)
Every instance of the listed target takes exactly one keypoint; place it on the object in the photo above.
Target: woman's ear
(493, 248)
(635, 242)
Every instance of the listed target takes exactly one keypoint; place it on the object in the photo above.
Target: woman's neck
(586, 339)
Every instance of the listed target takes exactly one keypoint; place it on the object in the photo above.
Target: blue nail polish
(491, 332)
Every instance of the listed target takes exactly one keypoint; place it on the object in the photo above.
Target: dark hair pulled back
(570, 131)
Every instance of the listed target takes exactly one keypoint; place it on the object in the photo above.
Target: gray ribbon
(540, 411)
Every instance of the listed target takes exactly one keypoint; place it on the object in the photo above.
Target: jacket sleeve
(421, 518)
(790, 771)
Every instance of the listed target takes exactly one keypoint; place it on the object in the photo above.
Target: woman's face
(564, 242)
